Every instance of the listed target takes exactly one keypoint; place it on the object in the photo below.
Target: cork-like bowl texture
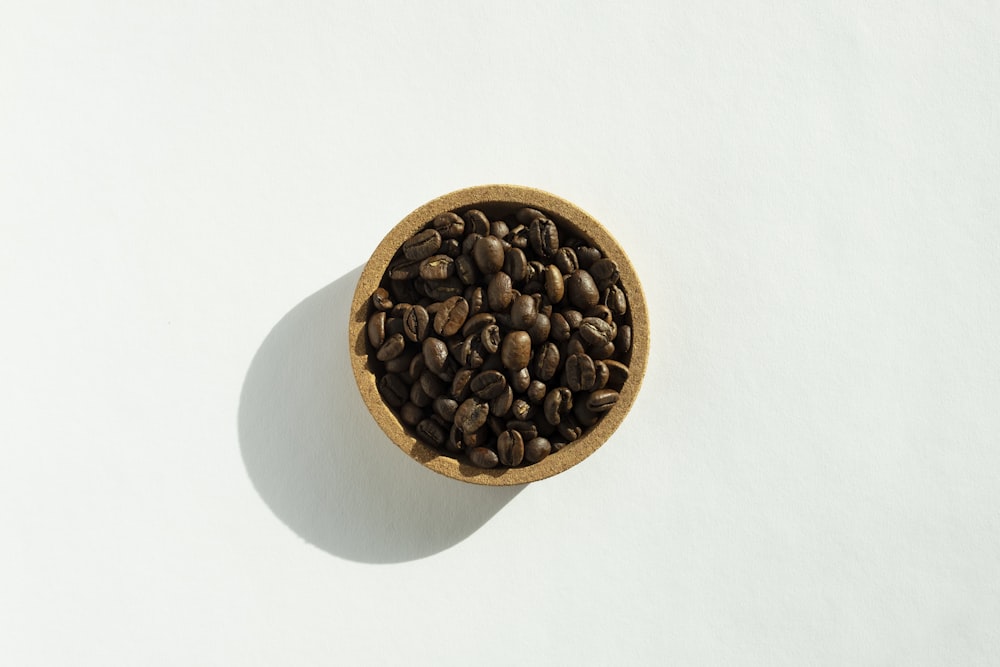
(496, 200)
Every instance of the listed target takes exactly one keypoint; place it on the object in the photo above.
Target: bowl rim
(568, 215)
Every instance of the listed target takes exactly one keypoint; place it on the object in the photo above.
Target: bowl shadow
(321, 463)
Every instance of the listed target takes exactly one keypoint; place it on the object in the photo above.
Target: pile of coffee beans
(500, 338)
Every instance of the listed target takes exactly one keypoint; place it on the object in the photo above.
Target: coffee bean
(393, 390)
(565, 260)
(624, 339)
(488, 253)
(471, 415)
(522, 410)
(560, 327)
(432, 432)
(404, 269)
(451, 316)
(488, 384)
(376, 329)
(499, 229)
(519, 380)
(515, 264)
(437, 267)
(595, 331)
(554, 286)
(476, 299)
(605, 273)
(573, 318)
(515, 351)
(465, 269)
(419, 396)
(510, 448)
(491, 338)
(400, 364)
(586, 256)
(391, 348)
(539, 331)
(584, 415)
(432, 385)
(617, 373)
(381, 300)
(416, 366)
(415, 323)
(411, 414)
(601, 312)
(536, 391)
(580, 372)
(537, 449)
(445, 408)
(602, 400)
(523, 311)
(543, 237)
(435, 354)
(601, 374)
(614, 299)
(481, 457)
(440, 290)
(547, 362)
(557, 403)
(499, 292)
(581, 290)
(501, 404)
(476, 323)
(449, 226)
(476, 222)
(575, 345)
(527, 429)
(460, 384)
(526, 215)
(569, 429)
(451, 248)
(605, 351)
(422, 244)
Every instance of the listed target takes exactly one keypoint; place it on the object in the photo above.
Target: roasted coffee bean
(471, 415)
(543, 237)
(601, 312)
(546, 362)
(393, 390)
(416, 323)
(499, 292)
(539, 331)
(488, 384)
(476, 222)
(449, 226)
(557, 403)
(476, 299)
(450, 247)
(454, 443)
(445, 408)
(584, 415)
(560, 327)
(601, 374)
(460, 384)
(595, 331)
(569, 429)
(376, 329)
(605, 273)
(391, 348)
(470, 241)
(419, 396)
(404, 269)
(586, 256)
(522, 410)
(523, 312)
(491, 338)
(602, 400)
(624, 339)
(536, 391)
(422, 244)
(451, 316)
(476, 323)
(439, 290)
(479, 438)
(515, 351)
(501, 405)
(617, 374)
(499, 229)
(605, 351)
(614, 299)
(400, 364)
(519, 380)
(565, 260)
(432, 432)
(527, 429)
(526, 215)
(515, 264)
(381, 300)
(537, 449)
(411, 414)
(510, 448)
(573, 318)
(554, 287)
(575, 345)
(470, 352)
(581, 290)
(416, 366)
(393, 326)
(488, 253)
(481, 457)
(432, 385)
(580, 372)
(437, 267)
(465, 269)
(435, 354)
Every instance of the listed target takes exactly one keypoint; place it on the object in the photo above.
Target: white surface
(810, 194)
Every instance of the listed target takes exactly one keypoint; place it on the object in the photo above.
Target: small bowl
(493, 200)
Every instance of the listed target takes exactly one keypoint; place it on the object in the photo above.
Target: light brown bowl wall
(494, 200)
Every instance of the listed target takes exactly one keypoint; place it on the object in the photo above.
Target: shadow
(319, 460)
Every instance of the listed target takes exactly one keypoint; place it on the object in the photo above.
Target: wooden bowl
(495, 200)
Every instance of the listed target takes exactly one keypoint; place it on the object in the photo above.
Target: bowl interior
(495, 201)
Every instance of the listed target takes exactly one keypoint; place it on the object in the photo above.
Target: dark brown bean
(481, 457)
(451, 316)
(435, 354)
(523, 312)
(595, 331)
(565, 259)
(499, 229)
(557, 403)
(431, 384)
(569, 429)
(515, 264)
(404, 269)
(400, 364)
(519, 379)
(543, 235)
(537, 449)
(437, 267)
(580, 372)
(536, 391)
(411, 414)
(491, 338)
(624, 339)
(617, 373)
(449, 226)
(488, 253)
(527, 429)
(376, 329)
(422, 244)
(601, 374)
(522, 410)
(432, 433)
(614, 299)
(499, 291)
(471, 415)
(393, 390)
(560, 327)
(605, 273)
(440, 290)
(419, 396)
(488, 384)
(602, 400)
(450, 247)
(416, 323)
(476, 323)
(554, 286)
(586, 256)
(546, 362)
(510, 448)
(584, 415)
(445, 408)
(539, 331)
(476, 222)
(515, 351)
(460, 384)
(465, 269)
(391, 348)
(381, 299)
(500, 405)
(605, 351)
(581, 290)
(526, 215)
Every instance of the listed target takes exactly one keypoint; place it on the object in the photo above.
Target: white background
(809, 193)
